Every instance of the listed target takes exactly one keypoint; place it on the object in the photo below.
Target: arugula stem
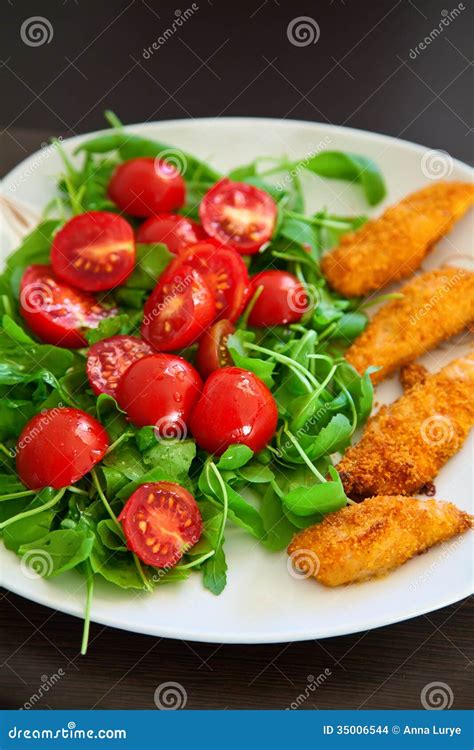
(34, 511)
(351, 404)
(14, 495)
(77, 490)
(117, 442)
(5, 450)
(198, 560)
(87, 613)
(244, 319)
(225, 499)
(380, 298)
(316, 221)
(141, 573)
(284, 361)
(112, 119)
(304, 456)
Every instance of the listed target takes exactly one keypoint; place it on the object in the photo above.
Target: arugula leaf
(323, 498)
(60, 550)
(234, 457)
(214, 572)
(352, 167)
(279, 529)
(151, 261)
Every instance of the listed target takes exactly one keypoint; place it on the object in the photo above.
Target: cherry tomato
(176, 232)
(178, 310)
(56, 312)
(161, 521)
(235, 407)
(57, 447)
(94, 251)
(160, 390)
(108, 359)
(282, 301)
(147, 186)
(239, 215)
(224, 272)
(212, 352)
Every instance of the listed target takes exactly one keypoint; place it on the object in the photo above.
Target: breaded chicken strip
(371, 539)
(393, 246)
(412, 374)
(434, 307)
(406, 444)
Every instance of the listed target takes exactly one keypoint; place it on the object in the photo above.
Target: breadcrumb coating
(435, 306)
(406, 443)
(362, 541)
(393, 246)
(412, 374)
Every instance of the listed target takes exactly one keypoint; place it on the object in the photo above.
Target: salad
(171, 363)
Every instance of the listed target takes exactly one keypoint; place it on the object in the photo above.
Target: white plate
(262, 602)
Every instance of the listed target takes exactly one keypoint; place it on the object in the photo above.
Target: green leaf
(214, 572)
(321, 498)
(349, 326)
(239, 510)
(234, 457)
(110, 535)
(108, 327)
(351, 167)
(59, 550)
(150, 263)
(256, 473)
(279, 530)
(301, 233)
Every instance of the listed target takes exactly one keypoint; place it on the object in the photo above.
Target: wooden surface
(384, 668)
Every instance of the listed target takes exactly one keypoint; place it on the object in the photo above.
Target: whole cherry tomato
(160, 390)
(145, 186)
(235, 407)
(57, 447)
(283, 299)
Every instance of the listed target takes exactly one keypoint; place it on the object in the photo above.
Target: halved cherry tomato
(283, 299)
(58, 446)
(224, 272)
(235, 407)
(161, 521)
(176, 232)
(239, 215)
(212, 352)
(108, 359)
(55, 311)
(160, 390)
(94, 251)
(145, 186)
(178, 310)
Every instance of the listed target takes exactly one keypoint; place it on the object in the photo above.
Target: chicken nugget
(406, 443)
(362, 541)
(435, 306)
(393, 246)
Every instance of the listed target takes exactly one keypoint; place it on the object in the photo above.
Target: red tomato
(178, 310)
(212, 352)
(176, 232)
(94, 251)
(56, 312)
(147, 186)
(160, 390)
(239, 215)
(235, 407)
(224, 272)
(57, 447)
(161, 521)
(282, 301)
(108, 359)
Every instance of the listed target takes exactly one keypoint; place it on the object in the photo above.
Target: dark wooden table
(360, 82)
